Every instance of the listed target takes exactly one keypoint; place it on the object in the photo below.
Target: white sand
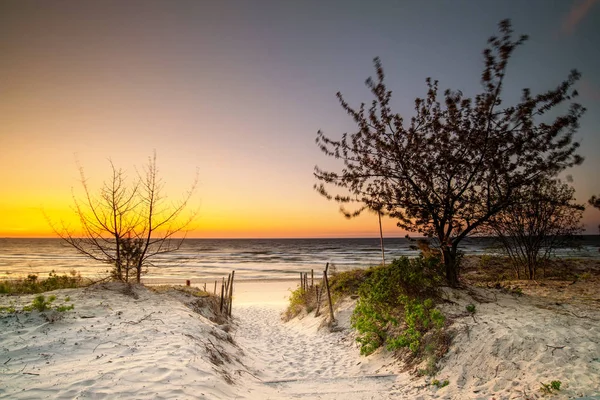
(114, 345)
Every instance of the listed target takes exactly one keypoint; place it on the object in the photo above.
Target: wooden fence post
(320, 293)
(222, 293)
(231, 293)
(329, 297)
(215, 288)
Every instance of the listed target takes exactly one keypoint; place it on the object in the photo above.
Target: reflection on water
(251, 258)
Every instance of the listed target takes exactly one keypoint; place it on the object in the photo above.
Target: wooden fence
(318, 290)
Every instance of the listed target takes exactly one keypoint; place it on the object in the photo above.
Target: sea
(209, 259)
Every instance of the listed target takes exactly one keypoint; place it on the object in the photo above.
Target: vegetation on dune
(459, 161)
(545, 218)
(395, 307)
(33, 284)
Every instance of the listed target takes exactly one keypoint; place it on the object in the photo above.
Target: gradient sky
(238, 90)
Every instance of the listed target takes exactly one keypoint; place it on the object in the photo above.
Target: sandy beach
(138, 343)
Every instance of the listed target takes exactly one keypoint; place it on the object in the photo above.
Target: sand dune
(121, 343)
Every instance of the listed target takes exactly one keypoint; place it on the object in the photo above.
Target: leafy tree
(457, 162)
(544, 218)
(127, 224)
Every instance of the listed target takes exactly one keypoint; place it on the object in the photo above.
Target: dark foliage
(458, 161)
(543, 218)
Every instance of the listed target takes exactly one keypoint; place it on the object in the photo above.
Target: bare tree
(595, 202)
(454, 166)
(543, 219)
(127, 224)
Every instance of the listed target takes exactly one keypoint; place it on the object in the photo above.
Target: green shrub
(41, 303)
(548, 388)
(419, 318)
(400, 291)
(299, 300)
(10, 309)
(470, 308)
(347, 282)
(439, 384)
(32, 284)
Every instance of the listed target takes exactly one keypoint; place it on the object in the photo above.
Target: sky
(236, 90)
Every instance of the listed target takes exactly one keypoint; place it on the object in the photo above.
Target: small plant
(439, 384)
(41, 303)
(10, 309)
(471, 308)
(64, 307)
(550, 387)
(297, 303)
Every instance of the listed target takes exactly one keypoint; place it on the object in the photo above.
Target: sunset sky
(237, 91)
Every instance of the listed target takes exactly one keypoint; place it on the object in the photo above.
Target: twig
(6, 362)
(143, 319)
(29, 373)
(243, 370)
(580, 316)
(110, 341)
(217, 349)
(554, 348)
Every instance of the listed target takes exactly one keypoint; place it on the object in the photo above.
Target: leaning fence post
(231, 293)
(320, 293)
(222, 293)
(329, 297)
(312, 278)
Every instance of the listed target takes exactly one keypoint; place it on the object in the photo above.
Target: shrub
(32, 284)
(297, 302)
(470, 308)
(301, 299)
(41, 303)
(550, 387)
(398, 295)
(439, 384)
(10, 309)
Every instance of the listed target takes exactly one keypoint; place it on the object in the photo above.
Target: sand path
(296, 360)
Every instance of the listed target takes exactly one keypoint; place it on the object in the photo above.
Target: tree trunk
(451, 265)
(381, 239)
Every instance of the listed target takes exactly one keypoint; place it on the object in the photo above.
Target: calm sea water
(207, 259)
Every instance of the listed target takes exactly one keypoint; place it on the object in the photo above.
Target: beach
(133, 342)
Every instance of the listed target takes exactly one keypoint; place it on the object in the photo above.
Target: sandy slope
(514, 343)
(146, 345)
(115, 345)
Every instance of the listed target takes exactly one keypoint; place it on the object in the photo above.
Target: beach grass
(34, 284)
